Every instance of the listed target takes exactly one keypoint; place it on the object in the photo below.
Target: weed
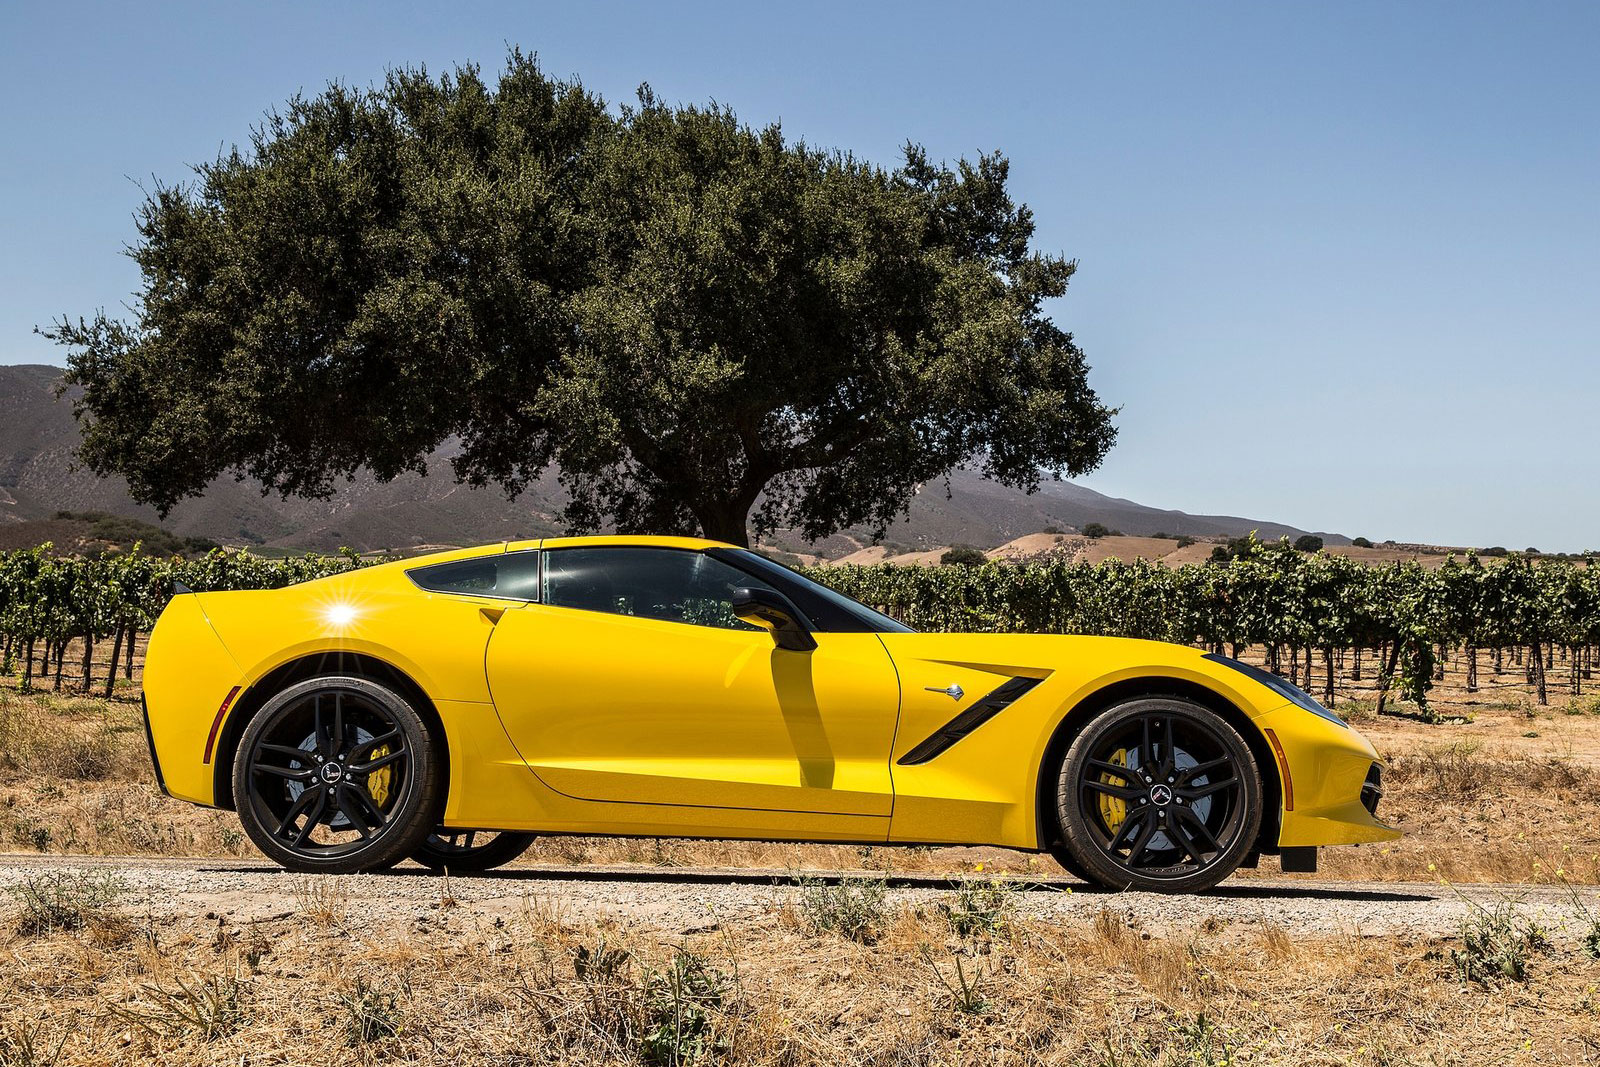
(371, 1015)
(850, 907)
(1496, 945)
(979, 907)
(23, 1046)
(679, 1003)
(65, 900)
(966, 991)
(211, 1006)
(1204, 1042)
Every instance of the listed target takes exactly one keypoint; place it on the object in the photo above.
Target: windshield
(829, 610)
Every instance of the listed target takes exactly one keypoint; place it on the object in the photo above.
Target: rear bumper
(150, 740)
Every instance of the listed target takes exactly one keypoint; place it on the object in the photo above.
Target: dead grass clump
(979, 907)
(52, 901)
(209, 1006)
(1457, 772)
(322, 899)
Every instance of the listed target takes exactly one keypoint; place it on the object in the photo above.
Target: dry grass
(532, 986)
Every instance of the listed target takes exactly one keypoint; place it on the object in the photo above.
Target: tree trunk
(1440, 661)
(88, 659)
(1499, 660)
(61, 655)
(116, 658)
(133, 639)
(1294, 665)
(1387, 674)
(1572, 661)
(1472, 668)
(5, 657)
(27, 667)
(1236, 650)
(1536, 666)
(1516, 655)
(1355, 664)
(1327, 662)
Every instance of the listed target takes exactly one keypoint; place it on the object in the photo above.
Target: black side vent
(1372, 789)
(968, 721)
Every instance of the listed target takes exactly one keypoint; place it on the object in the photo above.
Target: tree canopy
(702, 324)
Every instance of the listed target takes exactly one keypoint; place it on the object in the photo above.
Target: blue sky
(1338, 264)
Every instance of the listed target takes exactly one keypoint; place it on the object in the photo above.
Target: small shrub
(850, 907)
(53, 901)
(371, 1015)
(1184, 540)
(1361, 542)
(1496, 945)
(1096, 530)
(1308, 543)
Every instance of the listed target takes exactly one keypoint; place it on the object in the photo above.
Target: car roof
(616, 540)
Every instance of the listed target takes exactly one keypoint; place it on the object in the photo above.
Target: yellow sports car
(448, 708)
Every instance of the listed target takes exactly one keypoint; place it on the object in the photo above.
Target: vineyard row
(1312, 617)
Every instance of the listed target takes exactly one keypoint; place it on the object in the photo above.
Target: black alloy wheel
(1159, 794)
(471, 850)
(337, 775)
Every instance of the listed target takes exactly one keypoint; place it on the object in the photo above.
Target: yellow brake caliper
(378, 780)
(1113, 809)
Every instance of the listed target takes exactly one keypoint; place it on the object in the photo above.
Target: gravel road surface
(682, 899)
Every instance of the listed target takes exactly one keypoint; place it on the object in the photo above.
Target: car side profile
(450, 707)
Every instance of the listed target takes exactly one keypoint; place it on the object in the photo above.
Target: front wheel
(1159, 794)
(337, 775)
(462, 851)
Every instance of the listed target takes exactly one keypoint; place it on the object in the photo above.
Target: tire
(337, 775)
(1181, 828)
(445, 850)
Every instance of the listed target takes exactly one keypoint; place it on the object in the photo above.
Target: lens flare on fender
(450, 707)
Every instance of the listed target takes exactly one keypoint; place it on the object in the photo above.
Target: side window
(510, 576)
(671, 584)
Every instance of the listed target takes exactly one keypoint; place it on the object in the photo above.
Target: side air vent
(968, 721)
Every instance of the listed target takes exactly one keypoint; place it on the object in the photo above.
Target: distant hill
(38, 479)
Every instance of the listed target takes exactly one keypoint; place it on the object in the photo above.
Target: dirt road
(686, 899)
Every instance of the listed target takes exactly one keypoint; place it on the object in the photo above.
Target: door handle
(954, 692)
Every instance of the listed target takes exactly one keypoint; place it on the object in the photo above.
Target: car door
(633, 681)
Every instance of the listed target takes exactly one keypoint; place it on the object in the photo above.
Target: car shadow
(1252, 890)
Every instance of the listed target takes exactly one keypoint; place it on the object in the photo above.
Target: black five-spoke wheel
(337, 774)
(471, 850)
(1159, 793)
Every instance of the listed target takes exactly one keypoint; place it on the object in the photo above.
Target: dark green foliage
(1361, 542)
(685, 313)
(1096, 530)
(1184, 540)
(124, 532)
(1308, 543)
(1497, 551)
(964, 555)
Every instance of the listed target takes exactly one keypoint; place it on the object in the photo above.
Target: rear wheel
(1159, 794)
(337, 774)
(471, 850)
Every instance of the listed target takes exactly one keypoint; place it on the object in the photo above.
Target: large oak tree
(703, 325)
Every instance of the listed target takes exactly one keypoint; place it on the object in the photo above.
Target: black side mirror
(777, 614)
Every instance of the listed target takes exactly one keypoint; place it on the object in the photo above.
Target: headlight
(1292, 693)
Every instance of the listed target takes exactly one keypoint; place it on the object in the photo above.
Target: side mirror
(775, 613)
